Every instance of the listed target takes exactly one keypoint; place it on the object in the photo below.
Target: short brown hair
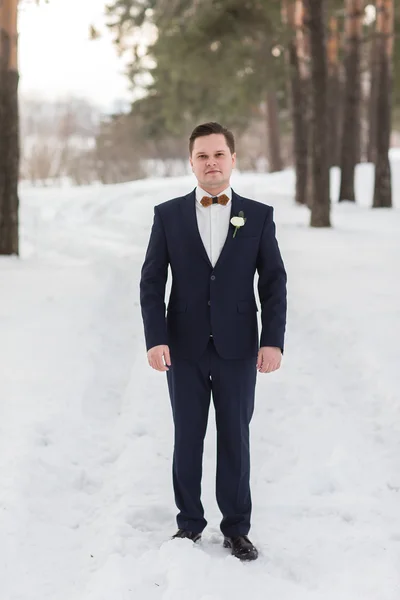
(208, 129)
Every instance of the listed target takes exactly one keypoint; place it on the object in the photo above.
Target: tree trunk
(384, 25)
(320, 210)
(274, 140)
(309, 111)
(351, 137)
(299, 126)
(298, 100)
(373, 98)
(9, 129)
(334, 94)
(303, 50)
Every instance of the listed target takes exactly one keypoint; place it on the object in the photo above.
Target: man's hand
(155, 357)
(268, 359)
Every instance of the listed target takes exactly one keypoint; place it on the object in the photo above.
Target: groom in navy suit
(214, 241)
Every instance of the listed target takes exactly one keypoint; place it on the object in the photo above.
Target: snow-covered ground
(86, 502)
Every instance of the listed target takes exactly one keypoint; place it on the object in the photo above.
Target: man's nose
(211, 162)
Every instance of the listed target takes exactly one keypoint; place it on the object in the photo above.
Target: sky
(56, 57)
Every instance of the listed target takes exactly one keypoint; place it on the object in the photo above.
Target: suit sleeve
(153, 280)
(271, 287)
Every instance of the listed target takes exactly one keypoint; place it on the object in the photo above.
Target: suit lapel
(188, 207)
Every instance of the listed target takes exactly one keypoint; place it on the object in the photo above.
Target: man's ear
(234, 159)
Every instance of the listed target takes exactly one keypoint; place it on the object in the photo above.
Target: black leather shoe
(184, 533)
(241, 547)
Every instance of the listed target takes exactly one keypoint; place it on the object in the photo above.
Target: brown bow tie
(207, 200)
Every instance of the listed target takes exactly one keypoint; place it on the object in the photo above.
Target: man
(208, 342)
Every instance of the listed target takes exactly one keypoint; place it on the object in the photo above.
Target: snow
(86, 501)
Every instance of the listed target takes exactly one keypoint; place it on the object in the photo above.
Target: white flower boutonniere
(238, 221)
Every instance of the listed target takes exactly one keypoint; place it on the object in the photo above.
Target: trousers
(231, 384)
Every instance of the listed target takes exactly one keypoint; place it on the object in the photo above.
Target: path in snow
(86, 434)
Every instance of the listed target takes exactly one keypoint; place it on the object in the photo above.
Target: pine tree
(293, 16)
(384, 29)
(334, 92)
(320, 206)
(9, 129)
(352, 100)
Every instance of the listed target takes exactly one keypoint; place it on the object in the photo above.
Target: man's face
(212, 162)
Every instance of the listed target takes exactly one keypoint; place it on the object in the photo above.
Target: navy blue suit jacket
(206, 299)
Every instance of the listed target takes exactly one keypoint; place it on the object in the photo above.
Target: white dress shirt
(213, 223)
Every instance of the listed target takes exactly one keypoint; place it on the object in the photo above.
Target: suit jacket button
(213, 277)
(209, 302)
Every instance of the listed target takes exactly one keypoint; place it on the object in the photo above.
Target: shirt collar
(200, 193)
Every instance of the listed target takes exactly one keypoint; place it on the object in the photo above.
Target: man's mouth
(214, 171)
